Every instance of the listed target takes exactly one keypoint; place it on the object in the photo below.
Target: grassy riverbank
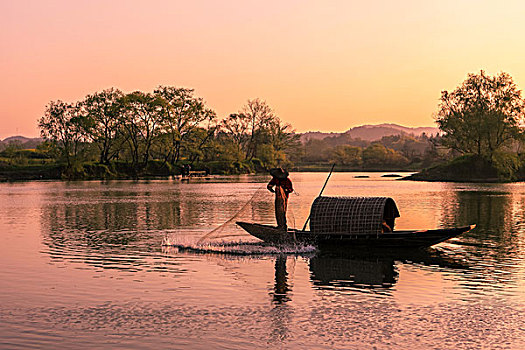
(462, 169)
(116, 170)
(124, 170)
(85, 171)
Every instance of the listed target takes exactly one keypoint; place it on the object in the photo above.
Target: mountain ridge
(367, 132)
(24, 142)
(371, 132)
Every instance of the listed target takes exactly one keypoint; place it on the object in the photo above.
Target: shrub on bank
(244, 167)
(45, 171)
(123, 169)
(158, 168)
(221, 167)
(98, 171)
(74, 171)
(507, 165)
(87, 171)
(473, 168)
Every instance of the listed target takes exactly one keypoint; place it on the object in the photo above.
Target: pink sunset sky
(322, 65)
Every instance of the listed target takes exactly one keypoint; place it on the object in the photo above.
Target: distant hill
(372, 132)
(364, 132)
(24, 142)
(317, 135)
(376, 132)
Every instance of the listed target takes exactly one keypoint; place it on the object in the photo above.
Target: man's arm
(288, 187)
(270, 185)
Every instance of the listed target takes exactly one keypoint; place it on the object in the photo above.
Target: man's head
(279, 173)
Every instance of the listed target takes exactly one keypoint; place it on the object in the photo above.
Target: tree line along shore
(114, 135)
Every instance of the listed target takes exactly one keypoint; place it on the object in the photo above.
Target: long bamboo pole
(320, 193)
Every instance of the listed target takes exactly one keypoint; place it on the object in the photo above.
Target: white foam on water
(235, 248)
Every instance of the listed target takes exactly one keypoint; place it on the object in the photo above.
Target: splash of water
(235, 248)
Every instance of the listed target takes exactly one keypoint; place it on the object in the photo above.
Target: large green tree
(184, 113)
(347, 155)
(378, 156)
(64, 125)
(142, 120)
(103, 111)
(482, 116)
(258, 133)
(259, 116)
(237, 125)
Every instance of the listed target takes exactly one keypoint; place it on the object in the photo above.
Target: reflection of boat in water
(375, 268)
(351, 271)
(366, 221)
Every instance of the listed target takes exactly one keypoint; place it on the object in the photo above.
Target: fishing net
(260, 201)
(226, 229)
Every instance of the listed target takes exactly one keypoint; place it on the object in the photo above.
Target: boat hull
(422, 238)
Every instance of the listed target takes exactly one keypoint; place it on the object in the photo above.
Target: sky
(321, 65)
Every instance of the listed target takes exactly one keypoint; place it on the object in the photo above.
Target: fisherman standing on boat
(283, 187)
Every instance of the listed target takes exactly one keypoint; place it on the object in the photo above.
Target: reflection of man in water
(281, 287)
(283, 187)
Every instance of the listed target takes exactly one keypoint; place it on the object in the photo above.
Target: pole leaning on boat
(320, 193)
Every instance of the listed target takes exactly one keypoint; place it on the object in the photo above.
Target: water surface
(84, 267)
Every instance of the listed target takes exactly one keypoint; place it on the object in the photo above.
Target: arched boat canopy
(352, 215)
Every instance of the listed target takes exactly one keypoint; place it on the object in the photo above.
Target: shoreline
(210, 177)
(98, 172)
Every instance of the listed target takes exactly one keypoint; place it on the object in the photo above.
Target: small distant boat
(353, 221)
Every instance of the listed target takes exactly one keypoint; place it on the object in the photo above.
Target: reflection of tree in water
(497, 244)
(492, 212)
(102, 227)
(111, 220)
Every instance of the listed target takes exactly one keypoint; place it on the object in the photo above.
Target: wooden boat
(422, 238)
(355, 221)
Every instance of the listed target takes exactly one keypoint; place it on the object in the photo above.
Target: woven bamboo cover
(350, 215)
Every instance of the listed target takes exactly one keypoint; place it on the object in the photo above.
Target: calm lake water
(83, 267)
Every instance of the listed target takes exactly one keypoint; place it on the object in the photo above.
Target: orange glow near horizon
(321, 66)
